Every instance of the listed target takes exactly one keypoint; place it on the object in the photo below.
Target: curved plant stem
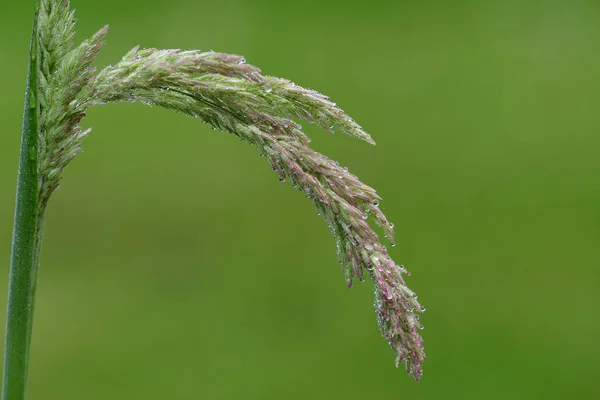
(25, 245)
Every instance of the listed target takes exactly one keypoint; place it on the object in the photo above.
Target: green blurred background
(175, 264)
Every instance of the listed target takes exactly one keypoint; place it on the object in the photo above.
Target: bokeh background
(176, 265)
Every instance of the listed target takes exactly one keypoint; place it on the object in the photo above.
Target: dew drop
(376, 203)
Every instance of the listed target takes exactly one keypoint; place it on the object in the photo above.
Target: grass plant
(228, 94)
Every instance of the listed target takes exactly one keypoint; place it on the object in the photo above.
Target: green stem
(25, 245)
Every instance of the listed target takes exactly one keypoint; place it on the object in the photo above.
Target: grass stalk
(25, 245)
